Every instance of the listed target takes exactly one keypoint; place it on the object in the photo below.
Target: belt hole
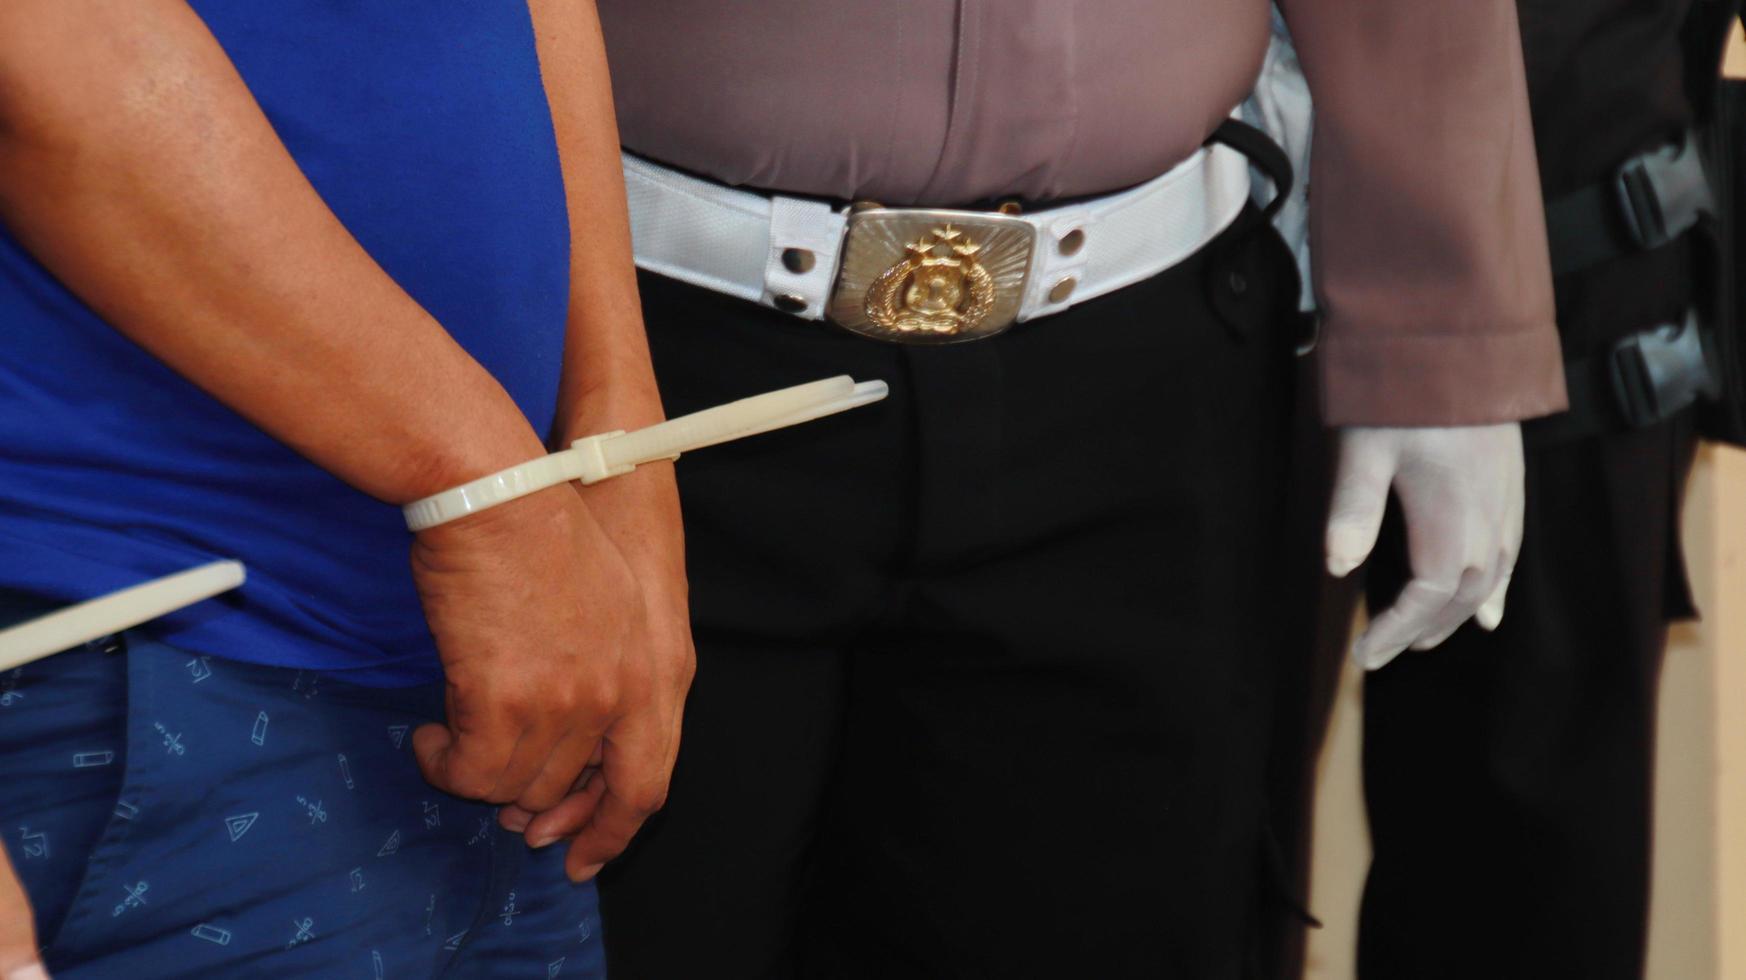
(798, 260)
(1072, 242)
(1062, 290)
(789, 303)
(1010, 207)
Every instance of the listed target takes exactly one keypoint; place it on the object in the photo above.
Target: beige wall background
(1697, 927)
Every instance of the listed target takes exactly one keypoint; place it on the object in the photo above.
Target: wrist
(450, 462)
(544, 512)
(624, 400)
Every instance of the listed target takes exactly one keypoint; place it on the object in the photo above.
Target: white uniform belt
(926, 275)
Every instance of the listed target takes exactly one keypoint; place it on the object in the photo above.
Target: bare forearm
(607, 376)
(137, 167)
(608, 380)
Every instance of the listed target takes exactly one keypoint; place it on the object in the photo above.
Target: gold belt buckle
(927, 276)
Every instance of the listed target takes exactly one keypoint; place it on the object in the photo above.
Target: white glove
(1461, 492)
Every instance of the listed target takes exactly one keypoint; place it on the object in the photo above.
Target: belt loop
(801, 267)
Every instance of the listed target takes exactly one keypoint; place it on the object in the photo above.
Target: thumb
(1360, 497)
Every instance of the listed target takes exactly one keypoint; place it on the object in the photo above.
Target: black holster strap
(1264, 153)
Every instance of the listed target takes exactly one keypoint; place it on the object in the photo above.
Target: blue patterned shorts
(179, 816)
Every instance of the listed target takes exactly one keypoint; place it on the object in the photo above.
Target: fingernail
(1489, 617)
(1340, 567)
(587, 873)
(545, 840)
(514, 821)
(33, 971)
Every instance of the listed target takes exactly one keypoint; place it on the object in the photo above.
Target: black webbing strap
(1649, 376)
(1581, 230)
(1649, 201)
(1644, 379)
(1239, 306)
(1263, 153)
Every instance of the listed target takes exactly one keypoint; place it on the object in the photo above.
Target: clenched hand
(546, 641)
(641, 513)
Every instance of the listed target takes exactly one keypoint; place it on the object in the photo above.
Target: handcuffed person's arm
(609, 384)
(137, 167)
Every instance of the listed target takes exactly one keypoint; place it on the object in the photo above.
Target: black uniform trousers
(985, 671)
(1509, 775)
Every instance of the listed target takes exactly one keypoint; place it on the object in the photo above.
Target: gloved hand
(1462, 495)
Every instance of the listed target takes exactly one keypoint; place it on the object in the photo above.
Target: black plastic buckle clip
(1663, 193)
(1659, 372)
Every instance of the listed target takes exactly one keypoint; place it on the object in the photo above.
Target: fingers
(633, 786)
(608, 831)
(573, 814)
(1473, 589)
(513, 818)
(1491, 612)
(1360, 498)
(1462, 494)
(570, 815)
(514, 755)
(557, 776)
(479, 763)
(1446, 591)
(520, 819)
(1397, 627)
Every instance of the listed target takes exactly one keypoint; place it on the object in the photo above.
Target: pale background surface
(1698, 924)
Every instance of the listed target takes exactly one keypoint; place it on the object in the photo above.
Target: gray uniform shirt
(1426, 217)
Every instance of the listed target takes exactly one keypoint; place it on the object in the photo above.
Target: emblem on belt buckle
(932, 277)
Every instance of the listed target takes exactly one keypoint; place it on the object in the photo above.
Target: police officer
(1508, 775)
(985, 675)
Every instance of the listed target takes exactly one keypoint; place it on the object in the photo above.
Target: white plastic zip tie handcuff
(590, 460)
(93, 619)
(599, 457)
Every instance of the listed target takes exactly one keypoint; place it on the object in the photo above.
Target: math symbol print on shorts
(240, 824)
(135, 898)
(172, 740)
(317, 813)
(36, 844)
